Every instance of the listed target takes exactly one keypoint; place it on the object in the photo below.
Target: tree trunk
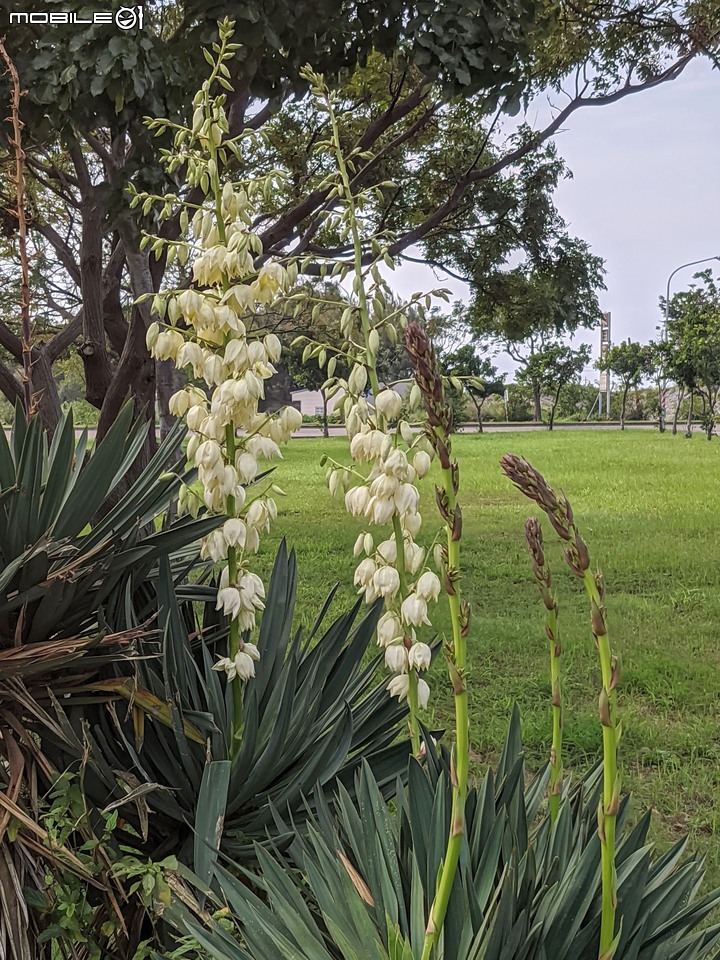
(135, 374)
(165, 387)
(553, 408)
(114, 321)
(712, 401)
(134, 380)
(10, 385)
(478, 407)
(93, 349)
(45, 391)
(326, 432)
(622, 407)
(45, 388)
(676, 414)
(537, 414)
(691, 410)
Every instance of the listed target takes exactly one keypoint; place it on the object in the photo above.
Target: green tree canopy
(478, 374)
(693, 342)
(631, 362)
(551, 368)
(421, 88)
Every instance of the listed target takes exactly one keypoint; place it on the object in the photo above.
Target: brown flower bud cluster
(541, 572)
(429, 380)
(533, 485)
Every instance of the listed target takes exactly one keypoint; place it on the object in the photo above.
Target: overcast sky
(645, 194)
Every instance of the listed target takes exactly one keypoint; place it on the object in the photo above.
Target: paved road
(337, 431)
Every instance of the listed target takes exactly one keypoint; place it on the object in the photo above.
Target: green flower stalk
(384, 493)
(534, 486)
(439, 428)
(541, 571)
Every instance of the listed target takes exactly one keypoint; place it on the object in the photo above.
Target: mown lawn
(649, 508)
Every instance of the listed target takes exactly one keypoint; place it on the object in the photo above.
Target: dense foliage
(527, 888)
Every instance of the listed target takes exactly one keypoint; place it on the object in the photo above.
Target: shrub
(526, 888)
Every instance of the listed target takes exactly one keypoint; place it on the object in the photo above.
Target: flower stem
(543, 578)
(559, 512)
(457, 661)
(413, 703)
(232, 553)
(607, 813)
(556, 763)
(234, 637)
(371, 366)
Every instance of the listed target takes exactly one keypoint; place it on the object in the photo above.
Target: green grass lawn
(648, 506)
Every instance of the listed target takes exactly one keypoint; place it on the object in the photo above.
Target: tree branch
(10, 385)
(475, 176)
(10, 341)
(60, 247)
(283, 228)
(62, 340)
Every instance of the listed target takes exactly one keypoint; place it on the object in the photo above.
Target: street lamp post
(663, 387)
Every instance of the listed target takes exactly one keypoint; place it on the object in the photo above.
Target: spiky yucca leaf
(59, 564)
(527, 889)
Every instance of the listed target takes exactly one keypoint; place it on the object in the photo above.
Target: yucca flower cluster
(214, 331)
(388, 495)
(389, 458)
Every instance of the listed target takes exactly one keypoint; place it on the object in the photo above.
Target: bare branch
(19, 179)
(61, 249)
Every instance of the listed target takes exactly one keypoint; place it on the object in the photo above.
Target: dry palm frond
(33, 659)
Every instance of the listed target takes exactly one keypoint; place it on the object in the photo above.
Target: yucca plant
(69, 548)
(64, 548)
(526, 888)
(142, 718)
(311, 715)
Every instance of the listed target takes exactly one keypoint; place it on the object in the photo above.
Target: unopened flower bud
(359, 545)
(412, 523)
(357, 381)
(414, 556)
(422, 463)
